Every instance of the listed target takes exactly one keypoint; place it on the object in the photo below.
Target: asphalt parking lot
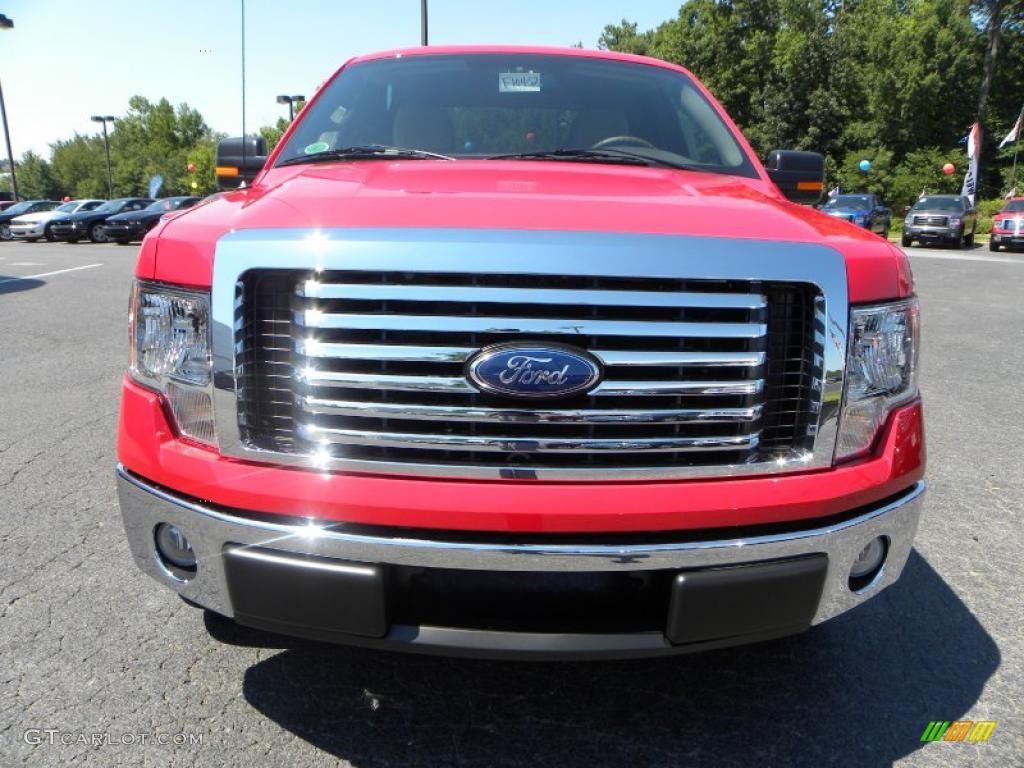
(88, 645)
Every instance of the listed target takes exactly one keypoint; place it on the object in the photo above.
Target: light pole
(6, 23)
(423, 22)
(106, 145)
(290, 101)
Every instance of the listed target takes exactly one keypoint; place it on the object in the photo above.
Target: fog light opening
(868, 565)
(174, 552)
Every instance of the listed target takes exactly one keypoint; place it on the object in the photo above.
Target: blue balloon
(864, 165)
(467, 147)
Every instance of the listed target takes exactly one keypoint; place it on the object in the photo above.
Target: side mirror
(240, 159)
(800, 176)
(906, 209)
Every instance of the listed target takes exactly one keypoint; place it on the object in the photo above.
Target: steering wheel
(634, 141)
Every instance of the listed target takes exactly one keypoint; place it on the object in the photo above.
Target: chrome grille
(368, 366)
(931, 221)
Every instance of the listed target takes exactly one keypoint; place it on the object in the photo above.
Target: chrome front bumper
(211, 532)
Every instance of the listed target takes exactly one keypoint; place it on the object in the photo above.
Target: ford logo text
(535, 371)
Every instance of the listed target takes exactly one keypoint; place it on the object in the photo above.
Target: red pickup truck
(520, 352)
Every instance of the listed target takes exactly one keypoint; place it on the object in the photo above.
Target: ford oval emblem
(533, 370)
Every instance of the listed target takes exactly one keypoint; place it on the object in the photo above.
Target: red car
(521, 352)
(1008, 226)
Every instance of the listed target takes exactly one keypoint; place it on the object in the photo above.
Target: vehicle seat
(594, 125)
(419, 126)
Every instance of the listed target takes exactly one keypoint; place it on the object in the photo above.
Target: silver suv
(949, 219)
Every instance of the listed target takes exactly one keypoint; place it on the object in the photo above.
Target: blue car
(863, 210)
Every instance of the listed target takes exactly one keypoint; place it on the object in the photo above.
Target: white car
(32, 226)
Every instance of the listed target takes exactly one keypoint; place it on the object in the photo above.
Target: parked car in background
(73, 227)
(33, 226)
(5, 204)
(19, 209)
(866, 211)
(1008, 226)
(133, 225)
(949, 219)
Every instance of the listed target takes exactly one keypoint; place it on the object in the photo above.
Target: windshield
(852, 202)
(170, 204)
(67, 207)
(483, 105)
(1014, 206)
(18, 208)
(938, 204)
(111, 206)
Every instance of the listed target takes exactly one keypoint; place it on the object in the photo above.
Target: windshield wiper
(366, 152)
(622, 156)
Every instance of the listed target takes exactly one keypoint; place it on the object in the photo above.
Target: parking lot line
(48, 274)
(962, 257)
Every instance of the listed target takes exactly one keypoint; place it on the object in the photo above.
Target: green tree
(623, 37)
(204, 157)
(78, 165)
(921, 171)
(273, 133)
(155, 138)
(898, 77)
(36, 179)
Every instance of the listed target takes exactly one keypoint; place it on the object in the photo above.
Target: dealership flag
(970, 187)
(1014, 132)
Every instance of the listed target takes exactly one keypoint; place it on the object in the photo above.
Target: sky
(66, 60)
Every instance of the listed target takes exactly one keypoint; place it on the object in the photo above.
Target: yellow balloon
(194, 185)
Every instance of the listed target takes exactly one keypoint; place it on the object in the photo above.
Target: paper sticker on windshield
(317, 146)
(518, 82)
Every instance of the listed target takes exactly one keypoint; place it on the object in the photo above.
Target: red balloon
(67, 199)
(531, 136)
(191, 167)
(948, 169)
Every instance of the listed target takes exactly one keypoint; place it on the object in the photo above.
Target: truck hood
(504, 195)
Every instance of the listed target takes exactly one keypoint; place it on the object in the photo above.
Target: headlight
(170, 353)
(881, 372)
(908, 221)
(954, 221)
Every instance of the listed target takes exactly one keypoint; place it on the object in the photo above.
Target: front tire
(970, 240)
(50, 237)
(97, 233)
(5, 232)
(993, 246)
(905, 241)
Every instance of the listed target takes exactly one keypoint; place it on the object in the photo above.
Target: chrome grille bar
(376, 381)
(314, 289)
(315, 318)
(317, 434)
(433, 354)
(319, 405)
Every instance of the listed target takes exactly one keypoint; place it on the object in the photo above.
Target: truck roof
(440, 50)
